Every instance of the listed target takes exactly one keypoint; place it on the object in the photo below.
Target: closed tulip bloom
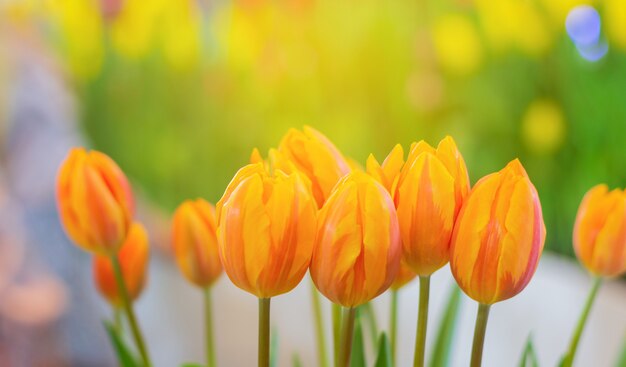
(357, 251)
(600, 232)
(317, 158)
(94, 201)
(498, 237)
(387, 173)
(266, 230)
(133, 257)
(428, 195)
(194, 242)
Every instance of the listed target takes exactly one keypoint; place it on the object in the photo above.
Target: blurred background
(179, 92)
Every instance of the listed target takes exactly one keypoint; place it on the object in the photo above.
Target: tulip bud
(133, 258)
(94, 201)
(498, 237)
(390, 169)
(266, 230)
(357, 251)
(194, 242)
(428, 195)
(317, 158)
(600, 231)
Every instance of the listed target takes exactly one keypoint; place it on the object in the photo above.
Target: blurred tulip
(266, 230)
(600, 231)
(428, 195)
(194, 242)
(498, 237)
(457, 45)
(315, 156)
(543, 127)
(133, 257)
(614, 16)
(357, 252)
(94, 201)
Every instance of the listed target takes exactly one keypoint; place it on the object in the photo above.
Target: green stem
(117, 319)
(322, 355)
(370, 317)
(422, 321)
(208, 322)
(393, 322)
(264, 332)
(347, 331)
(571, 352)
(128, 309)
(479, 335)
(336, 315)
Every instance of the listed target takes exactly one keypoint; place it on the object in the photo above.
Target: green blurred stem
(347, 331)
(336, 316)
(393, 323)
(208, 323)
(571, 352)
(422, 321)
(479, 335)
(117, 319)
(322, 355)
(264, 332)
(370, 316)
(128, 309)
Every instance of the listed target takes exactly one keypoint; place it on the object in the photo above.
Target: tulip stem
(336, 313)
(264, 332)
(347, 331)
(571, 352)
(422, 321)
(393, 324)
(128, 309)
(479, 334)
(370, 317)
(319, 327)
(117, 319)
(208, 320)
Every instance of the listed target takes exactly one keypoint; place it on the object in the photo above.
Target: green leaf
(274, 348)
(357, 357)
(383, 357)
(369, 317)
(529, 356)
(296, 361)
(440, 356)
(621, 361)
(122, 352)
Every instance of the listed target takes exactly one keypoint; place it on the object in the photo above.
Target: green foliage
(296, 361)
(529, 356)
(621, 361)
(383, 357)
(122, 351)
(357, 358)
(443, 345)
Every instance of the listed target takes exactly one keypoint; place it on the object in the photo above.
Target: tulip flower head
(194, 242)
(266, 230)
(600, 231)
(404, 276)
(357, 251)
(133, 258)
(498, 237)
(94, 201)
(317, 158)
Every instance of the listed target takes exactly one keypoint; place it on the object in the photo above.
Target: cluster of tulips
(357, 231)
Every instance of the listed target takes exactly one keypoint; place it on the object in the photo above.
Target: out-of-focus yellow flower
(428, 195)
(614, 17)
(543, 127)
(558, 9)
(404, 276)
(134, 27)
(317, 158)
(181, 30)
(498, 237)
(94, 201)
(133, 257)
(600, 231)
(457, 44)
(194, 241)
(266, 230)
(357, 251)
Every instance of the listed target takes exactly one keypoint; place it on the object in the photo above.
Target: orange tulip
(266, 230)
(498, 237)
(133, 257)
(600, 231)
(428, 194)
(317, 158)
(94, 201)
(194, 242)
(357, 252)
(404, 276)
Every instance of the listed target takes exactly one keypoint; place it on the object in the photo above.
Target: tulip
(357, 251)
(133, 258)
(194, 242)
(94, 201)
(600, 245)
(317, 158)
(266, 233)
(497, 241)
